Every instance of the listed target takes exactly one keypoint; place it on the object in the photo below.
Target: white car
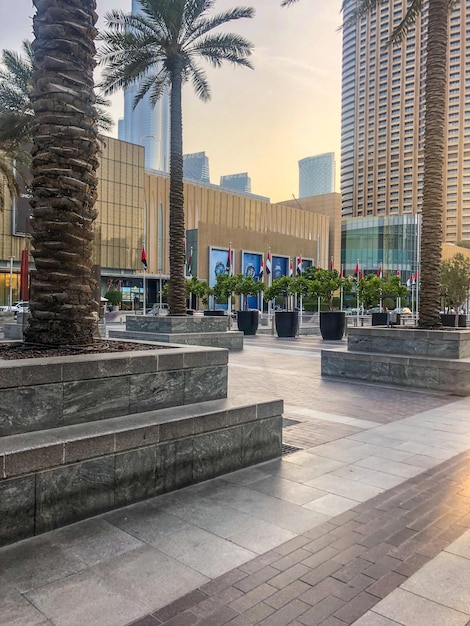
(17, 307)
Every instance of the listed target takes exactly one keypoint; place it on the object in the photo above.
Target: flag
(341, 271)
(143, 258)
(299, 266)
(362, 273)
(408, 283)
(356, 271)
(228, 265)
(416, 276)
(291, 269)
(189, 267)
(268, 264)
(261, 270)
(332, 264)
(379, 271)
(399, 273)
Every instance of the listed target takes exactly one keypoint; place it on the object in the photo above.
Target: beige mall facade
(133, 209)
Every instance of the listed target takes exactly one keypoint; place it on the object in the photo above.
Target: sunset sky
(262, 121)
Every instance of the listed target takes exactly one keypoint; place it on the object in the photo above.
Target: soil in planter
(21, 350)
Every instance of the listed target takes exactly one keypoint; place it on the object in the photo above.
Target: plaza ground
(365, 520)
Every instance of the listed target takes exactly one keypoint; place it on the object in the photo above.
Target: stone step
(54, 477)
(230, 340)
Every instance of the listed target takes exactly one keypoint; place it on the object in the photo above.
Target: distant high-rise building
(317, 175)
(147, 125)
(382, 117)
(196, 167)
(236, 182)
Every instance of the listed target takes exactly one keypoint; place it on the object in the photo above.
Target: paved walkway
(367, 523)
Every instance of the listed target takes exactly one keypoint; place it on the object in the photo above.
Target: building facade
(147, 125)
(133, 210)
(382, 126)
(196, 167)
(317, 175)
(236, 182)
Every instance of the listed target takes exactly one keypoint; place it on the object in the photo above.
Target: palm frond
(204, 25)
(199, 80)
(400, 32)
(224, 47)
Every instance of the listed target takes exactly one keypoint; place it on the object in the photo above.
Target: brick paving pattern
(336, 572)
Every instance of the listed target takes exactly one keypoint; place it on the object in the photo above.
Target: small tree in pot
(324, 284)
(246, 286)
(287, 321)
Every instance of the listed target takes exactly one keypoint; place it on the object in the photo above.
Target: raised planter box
(50, 392)
(437, 360)
(56, 477)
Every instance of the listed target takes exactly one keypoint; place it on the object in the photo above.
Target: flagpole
(270, 303)
(229, 303)
(341, 291)
(143, 278)
(357, 293)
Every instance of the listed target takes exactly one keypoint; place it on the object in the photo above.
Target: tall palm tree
(434, 138)
(17, 114)
(160, 47)
(64, 162)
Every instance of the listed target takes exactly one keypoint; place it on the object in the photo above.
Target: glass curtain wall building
(147, 125)
(390, 241)
(383, 117)
(317, 175)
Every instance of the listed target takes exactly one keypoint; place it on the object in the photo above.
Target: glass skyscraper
(147, 125)
(317, 175)
(382, 127)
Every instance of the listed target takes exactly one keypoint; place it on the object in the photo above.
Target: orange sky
(263, 121)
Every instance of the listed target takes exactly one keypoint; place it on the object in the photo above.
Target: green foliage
(394, 288)
(283, 288)
(324, 284)
(455, 279)
(197, 287)
(224, 287)
(246, 286)
(114, 296)
(370, 290)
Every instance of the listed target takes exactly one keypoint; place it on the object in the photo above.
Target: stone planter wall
(45, 393)
(52, 478)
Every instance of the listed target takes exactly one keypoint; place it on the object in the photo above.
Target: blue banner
(218, 258)
(251, 266)
(280, 266)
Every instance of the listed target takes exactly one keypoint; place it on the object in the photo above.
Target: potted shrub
(371, 291)
(114, 297)
(221, 291)
(287, 321)
(393, 288)
(324, 284)
(247, 320)
(455, 285)
(198, 288)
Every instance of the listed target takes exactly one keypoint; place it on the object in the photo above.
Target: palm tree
(64, 162)
(17, 114)
(434, 139)
(158, 48)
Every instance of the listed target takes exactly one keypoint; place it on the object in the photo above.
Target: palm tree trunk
(433, 184)
(64, 173)
(176, 287)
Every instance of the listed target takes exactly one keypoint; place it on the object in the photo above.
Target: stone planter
(214, 313)
(247, 322)
(332, 324)
(449, 319)
(380, 319)
(287, 323)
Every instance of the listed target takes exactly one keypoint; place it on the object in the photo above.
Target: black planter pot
(379, 319)
(287, 323)
(448, 319)
(214, 313)
(332, 324)
(462, 322)
(247, 321)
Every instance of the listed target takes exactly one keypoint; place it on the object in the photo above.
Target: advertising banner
(218, 264)
(251, 266)
(280, 266)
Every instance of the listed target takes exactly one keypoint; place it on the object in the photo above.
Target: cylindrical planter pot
(379, 319)
(448, 319)
(462, 321)
(214, 313)
(332, 324)
(287, 323)
(247, 322)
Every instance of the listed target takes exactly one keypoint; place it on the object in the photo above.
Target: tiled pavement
(367, 524)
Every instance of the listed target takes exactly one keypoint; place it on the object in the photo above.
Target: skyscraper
(146, 125)
(196, 167)
(236, 182)
(317, 175)
(382, 126)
